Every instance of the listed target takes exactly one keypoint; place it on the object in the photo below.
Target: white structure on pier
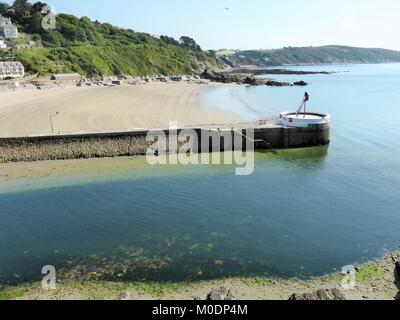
(304, 119)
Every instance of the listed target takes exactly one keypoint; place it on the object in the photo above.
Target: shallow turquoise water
(302, 213)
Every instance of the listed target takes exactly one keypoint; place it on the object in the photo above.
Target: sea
(303, 213)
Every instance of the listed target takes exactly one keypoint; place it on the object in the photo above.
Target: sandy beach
(97, 109)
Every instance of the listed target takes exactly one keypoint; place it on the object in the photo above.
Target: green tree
(21, 9)
(189, 43)
(4, 8)
(169, 40)
(36, 23)
(38, 6)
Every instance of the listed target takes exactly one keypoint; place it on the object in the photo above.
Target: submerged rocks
(300, 83)
(332, 294)
(220, 294)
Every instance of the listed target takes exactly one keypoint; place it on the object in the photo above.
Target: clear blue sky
(252, 24)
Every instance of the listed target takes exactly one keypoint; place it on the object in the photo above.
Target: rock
(124, 296)
(224, 77)
(255, 81)
(397, 278)
(300, 83)
(272, 83)
(220, 294)
(240, 78)
(332, 294)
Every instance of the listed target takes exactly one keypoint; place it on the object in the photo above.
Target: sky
(252, 24)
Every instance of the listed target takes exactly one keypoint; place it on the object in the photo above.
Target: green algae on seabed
(12, 293)
(97, 288)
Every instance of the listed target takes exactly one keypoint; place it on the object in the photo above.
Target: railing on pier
(268, 120)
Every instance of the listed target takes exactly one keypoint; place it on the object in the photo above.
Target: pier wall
(102, 145)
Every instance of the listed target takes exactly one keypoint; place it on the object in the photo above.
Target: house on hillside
(3, 45)
(10, 31)
(4, 21)
(11, 69)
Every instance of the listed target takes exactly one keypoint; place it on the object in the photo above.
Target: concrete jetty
(277, 133)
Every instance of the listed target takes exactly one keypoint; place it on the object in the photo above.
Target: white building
(4, 21)
(10, 31)
(3, 45)
(11, 69)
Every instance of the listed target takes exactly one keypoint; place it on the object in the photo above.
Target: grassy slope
(87, 59)
(90, 48)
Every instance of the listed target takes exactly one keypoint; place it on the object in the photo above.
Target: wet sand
(100, 109)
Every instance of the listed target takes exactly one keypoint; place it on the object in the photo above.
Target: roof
(8, 63)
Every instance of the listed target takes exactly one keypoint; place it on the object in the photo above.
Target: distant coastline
(303, 56)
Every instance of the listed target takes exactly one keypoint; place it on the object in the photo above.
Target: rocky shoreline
(249, 77)
(379, 280)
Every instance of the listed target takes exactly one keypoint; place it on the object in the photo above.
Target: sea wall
(103, 145)
(71, 147)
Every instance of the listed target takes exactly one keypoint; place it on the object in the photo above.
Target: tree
(21, 9)
(4, 8)
(38, 6)
(169, 40)
(36, 22)
(189, 43)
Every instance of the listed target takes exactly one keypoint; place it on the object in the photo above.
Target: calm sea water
(302, 213)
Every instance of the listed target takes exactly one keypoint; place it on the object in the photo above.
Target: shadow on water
(52, 174)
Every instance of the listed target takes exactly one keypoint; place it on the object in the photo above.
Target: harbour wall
(134, 143)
